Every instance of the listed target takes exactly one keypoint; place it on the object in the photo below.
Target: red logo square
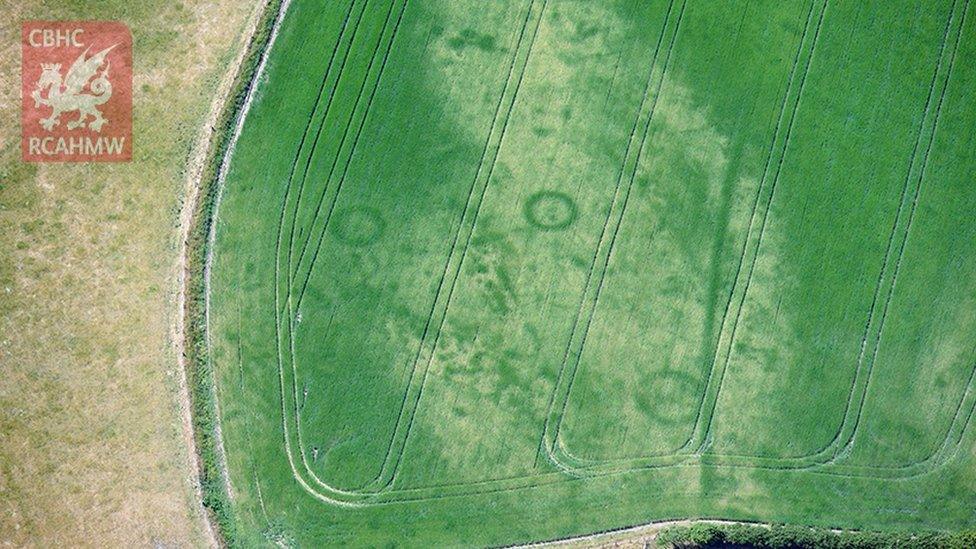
(76, 91)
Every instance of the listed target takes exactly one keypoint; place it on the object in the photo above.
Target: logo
(76, 91)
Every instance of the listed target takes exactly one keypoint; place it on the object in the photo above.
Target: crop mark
(352, 151)
(488, 143)
(484, 153)
(799, 56)
(325, 114)
(779, 164)
(550, 210)
(601, 278)
(325, 227)
(942, 454)
(820, 457)
(755, 210)
(727, 353)
(525, 482)
(311, 119)
(311, 116)
(474, 219)
(336, 496)
(359, 226)
(673, 382)
(281, 224)
(248, 426)
(549, 445)
(887, 256)
(911, 213)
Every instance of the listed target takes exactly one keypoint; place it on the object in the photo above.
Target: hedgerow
(199, 370)
(733, 536)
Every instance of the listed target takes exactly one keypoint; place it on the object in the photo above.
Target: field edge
(201, 416)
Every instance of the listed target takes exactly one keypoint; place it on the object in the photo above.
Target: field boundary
(205, 174)
(651, 530)
(709, 532)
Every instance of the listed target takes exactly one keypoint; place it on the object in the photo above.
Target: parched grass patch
(91, 444)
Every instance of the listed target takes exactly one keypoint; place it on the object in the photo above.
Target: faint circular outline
(345, 228)
(533, 203)
(683, 379)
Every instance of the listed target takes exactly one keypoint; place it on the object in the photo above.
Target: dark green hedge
(199, 370)
(733, 536)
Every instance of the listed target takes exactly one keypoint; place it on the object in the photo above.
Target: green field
(499, 272)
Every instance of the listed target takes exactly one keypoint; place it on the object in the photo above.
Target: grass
(528, 270)
(91, 445)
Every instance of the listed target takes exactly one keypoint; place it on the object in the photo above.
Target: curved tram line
(380, 491)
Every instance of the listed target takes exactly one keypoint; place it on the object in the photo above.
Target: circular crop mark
(359, 226)
(669, 400)
(550, 210)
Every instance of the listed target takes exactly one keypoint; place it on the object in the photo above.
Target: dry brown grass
(91, 447)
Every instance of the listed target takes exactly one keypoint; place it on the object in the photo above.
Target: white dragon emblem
(68, 94)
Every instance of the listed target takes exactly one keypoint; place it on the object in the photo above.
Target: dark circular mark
(359, 226)
(668, 397)
(550, 210)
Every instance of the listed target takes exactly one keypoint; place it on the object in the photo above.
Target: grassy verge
(199, 371)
